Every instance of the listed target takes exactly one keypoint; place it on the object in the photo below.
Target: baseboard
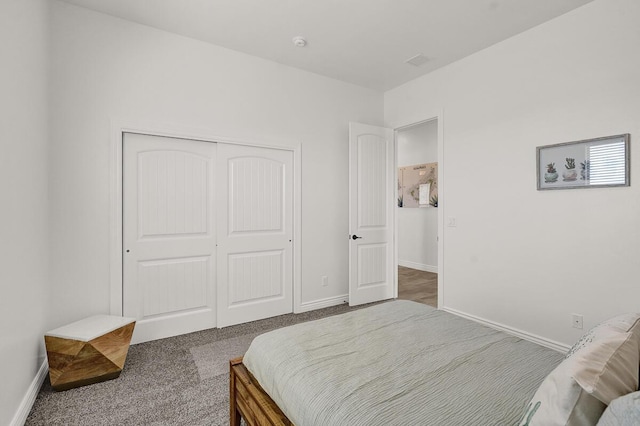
(30, 397)
(547, 343)
(323, 303)
(418, 266)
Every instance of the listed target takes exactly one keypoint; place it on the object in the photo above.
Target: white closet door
(371, 204)
(254, 233)
(168, 235)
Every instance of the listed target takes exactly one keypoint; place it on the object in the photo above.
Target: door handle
(355, 237)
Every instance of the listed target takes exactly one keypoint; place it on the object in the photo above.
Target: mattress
(398, 363)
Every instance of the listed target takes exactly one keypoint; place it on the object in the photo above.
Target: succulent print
(571, 163)
(551, 168)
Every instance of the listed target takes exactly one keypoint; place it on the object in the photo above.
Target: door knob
(355, 237)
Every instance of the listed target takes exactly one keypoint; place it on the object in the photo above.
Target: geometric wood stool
(88, 351)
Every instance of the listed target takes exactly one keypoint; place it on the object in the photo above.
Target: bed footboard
(249, 401)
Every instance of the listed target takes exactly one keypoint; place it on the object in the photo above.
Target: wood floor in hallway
(419, 286)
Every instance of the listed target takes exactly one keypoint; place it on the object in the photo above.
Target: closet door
(169, 239)
(254, 233)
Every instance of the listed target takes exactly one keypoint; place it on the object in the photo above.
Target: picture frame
(418, 185)
(590, 163)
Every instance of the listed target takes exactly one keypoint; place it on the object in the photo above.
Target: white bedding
(398, 363)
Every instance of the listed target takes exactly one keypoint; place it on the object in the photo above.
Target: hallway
(419, 286)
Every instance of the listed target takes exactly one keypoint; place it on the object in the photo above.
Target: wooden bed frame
(247, 400)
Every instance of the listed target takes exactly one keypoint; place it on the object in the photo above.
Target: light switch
(452, 222)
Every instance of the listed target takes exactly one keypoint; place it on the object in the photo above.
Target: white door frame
(118, 128)
(401, 125)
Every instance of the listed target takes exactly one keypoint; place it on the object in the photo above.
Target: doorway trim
(119, 127)
(403, 125)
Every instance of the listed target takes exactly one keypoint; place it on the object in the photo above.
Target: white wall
(418, 227)
(23, 185)
(104, 68)
(518, 256)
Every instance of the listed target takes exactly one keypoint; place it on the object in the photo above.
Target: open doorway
(417, 212)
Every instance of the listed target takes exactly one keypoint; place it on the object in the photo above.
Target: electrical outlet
(576, 321)
(325, 281)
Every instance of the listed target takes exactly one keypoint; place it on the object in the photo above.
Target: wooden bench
(88, 351)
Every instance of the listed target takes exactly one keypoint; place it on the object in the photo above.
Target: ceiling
(365, 42)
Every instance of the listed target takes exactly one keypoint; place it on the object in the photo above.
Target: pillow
(623, 411)
(561, 401)
(600, 367)
(609, 358)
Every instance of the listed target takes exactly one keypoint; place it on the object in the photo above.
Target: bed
(399, 362)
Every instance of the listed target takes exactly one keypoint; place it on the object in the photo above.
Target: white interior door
(168, 235)
(371, 204)
(255, 232)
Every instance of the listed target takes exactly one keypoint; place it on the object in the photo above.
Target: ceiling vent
(417, 60)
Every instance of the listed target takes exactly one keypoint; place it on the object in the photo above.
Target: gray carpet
(181, 380)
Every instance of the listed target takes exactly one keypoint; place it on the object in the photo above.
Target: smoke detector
(417, 60)
(299, 41)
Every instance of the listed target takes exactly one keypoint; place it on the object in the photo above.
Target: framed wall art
(590, 163)
(418, 185)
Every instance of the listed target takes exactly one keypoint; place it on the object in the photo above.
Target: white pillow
(609, 358)
(600, 367)
(623, 411)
